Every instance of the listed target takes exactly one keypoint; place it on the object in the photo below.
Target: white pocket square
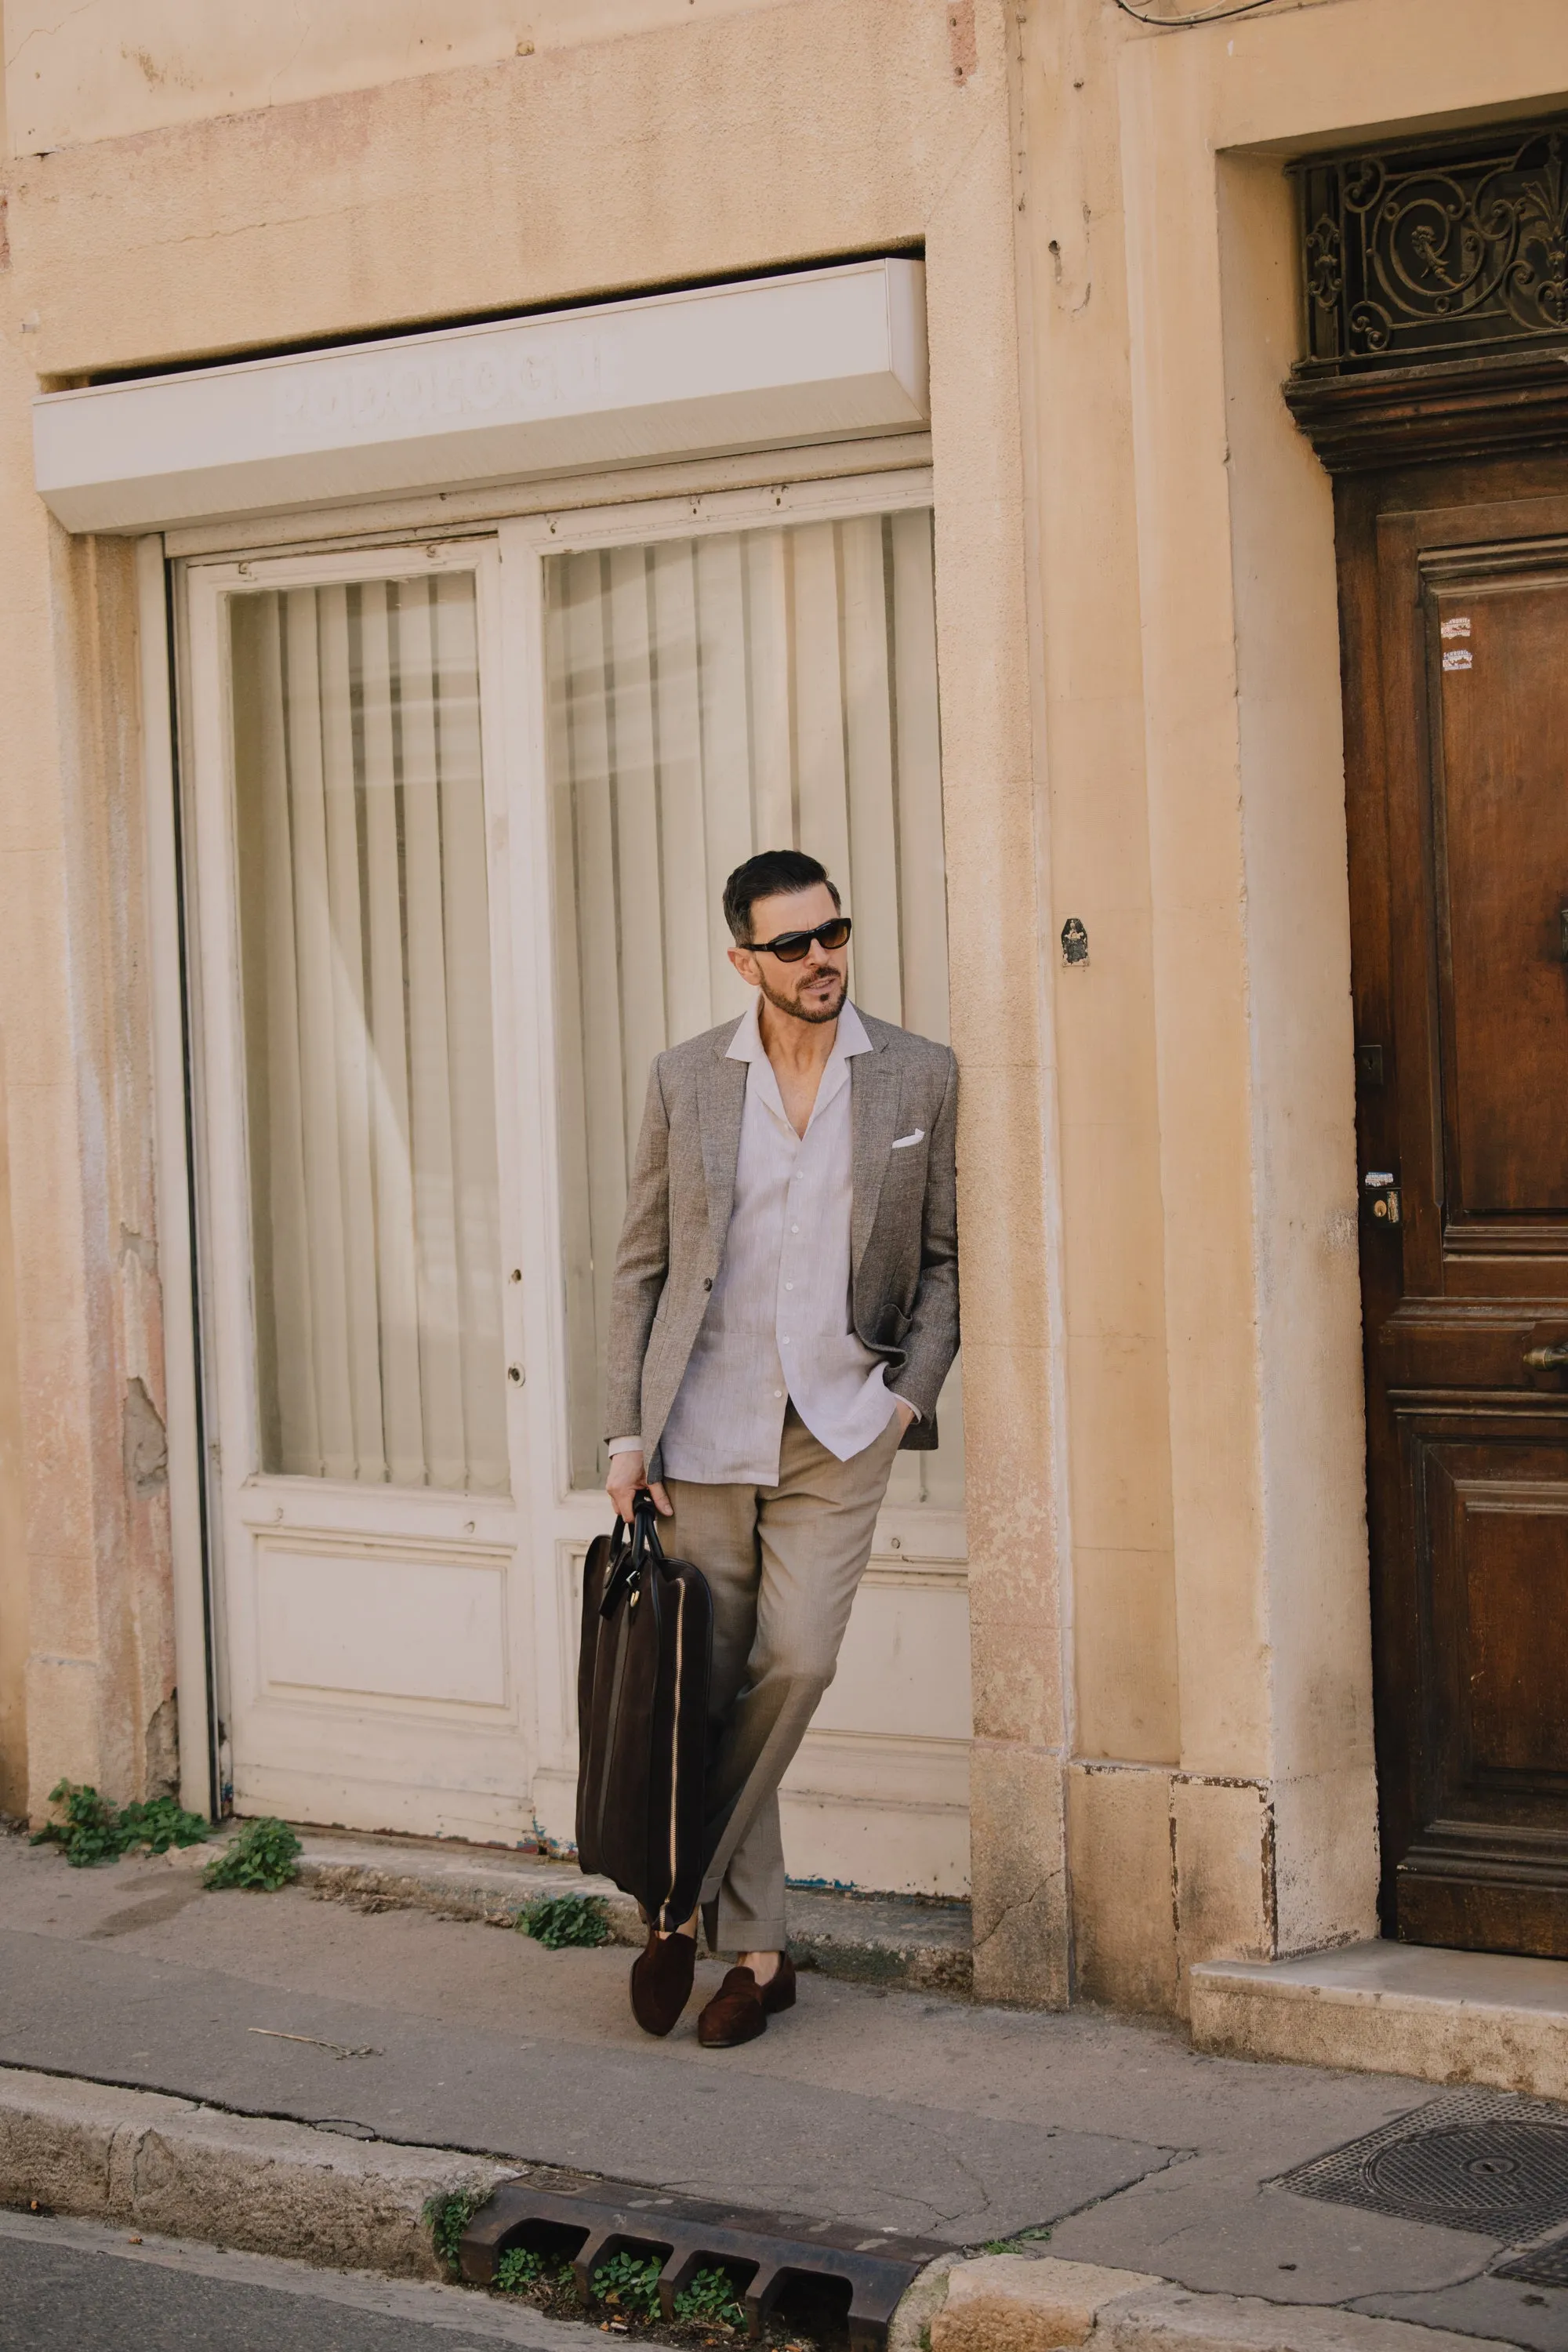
(902, 1143)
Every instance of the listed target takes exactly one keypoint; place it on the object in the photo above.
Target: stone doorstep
(1394, 2008)
(141, 2159)
(919, 1945)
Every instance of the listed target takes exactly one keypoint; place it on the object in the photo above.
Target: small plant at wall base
(563, 1921)
(262, 1858)
(96, 1830)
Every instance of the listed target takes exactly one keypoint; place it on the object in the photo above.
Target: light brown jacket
(903, 1228)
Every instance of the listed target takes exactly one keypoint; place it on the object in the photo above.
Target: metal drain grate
(605, 2216)
(1475, 2160)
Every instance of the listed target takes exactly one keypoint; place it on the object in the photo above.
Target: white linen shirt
(777, 1327)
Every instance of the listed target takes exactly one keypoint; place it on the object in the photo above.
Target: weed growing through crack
(262, 1858)
(1019, 2240)
(562, 1921)
(96, 1830)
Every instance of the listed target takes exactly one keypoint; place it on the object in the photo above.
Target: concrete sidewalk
(894, 2109)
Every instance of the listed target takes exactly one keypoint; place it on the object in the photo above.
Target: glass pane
(710, 698)
(369, 1070)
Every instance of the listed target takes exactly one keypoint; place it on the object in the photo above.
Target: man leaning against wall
(784, 1314)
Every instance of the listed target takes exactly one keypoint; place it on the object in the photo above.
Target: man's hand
(905, 1413)
(628, 1473)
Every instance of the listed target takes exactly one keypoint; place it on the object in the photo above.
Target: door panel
(1455, 603)
(763, 673)
(374, 1611)
(1500, 675)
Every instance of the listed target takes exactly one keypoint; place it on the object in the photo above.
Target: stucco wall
(77, 73)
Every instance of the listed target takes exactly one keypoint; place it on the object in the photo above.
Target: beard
(812, 1013)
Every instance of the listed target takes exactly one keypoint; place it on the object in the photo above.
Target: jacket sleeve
(642, 1263)
(931, 1342)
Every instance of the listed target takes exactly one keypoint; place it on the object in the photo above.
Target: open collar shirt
(777, 1330)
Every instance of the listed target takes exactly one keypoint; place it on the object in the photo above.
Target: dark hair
(771, 874)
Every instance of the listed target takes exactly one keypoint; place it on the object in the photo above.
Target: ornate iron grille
(1435, 251)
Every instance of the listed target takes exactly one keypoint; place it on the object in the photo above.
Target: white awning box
(827, 355)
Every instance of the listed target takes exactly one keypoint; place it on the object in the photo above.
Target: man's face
(813, 989)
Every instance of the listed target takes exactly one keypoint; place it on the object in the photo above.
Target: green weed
(447, 2217)
(560, 1921)
(522, 2272)
(262, 1858)
(711, 2301)
(1019, 2238)
(628, 2283)
(96, 1830)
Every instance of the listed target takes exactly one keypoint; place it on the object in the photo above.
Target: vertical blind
(369, 1071)
(710, 698)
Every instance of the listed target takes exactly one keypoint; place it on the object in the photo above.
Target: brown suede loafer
(661, 1980)
(741, 2008)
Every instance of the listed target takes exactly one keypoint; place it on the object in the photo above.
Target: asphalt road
(70, 2287)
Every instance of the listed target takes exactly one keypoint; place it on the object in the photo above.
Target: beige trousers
(783, 1563)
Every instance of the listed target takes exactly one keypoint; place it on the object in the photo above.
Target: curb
(184, 2170)
(189, 2171)
(1015, 2303)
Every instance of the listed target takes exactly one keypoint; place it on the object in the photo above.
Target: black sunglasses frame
(793, 947)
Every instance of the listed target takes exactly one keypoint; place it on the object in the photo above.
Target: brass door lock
(1383, 1189)
(1550, 1359)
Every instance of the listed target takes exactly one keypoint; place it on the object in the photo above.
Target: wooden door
(1455, 602)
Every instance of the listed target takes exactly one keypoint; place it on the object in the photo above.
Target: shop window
(369, 1071)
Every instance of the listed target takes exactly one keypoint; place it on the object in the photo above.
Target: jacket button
(708, 1282)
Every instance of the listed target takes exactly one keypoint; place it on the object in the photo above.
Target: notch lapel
(720, 1105)
(874, 1093)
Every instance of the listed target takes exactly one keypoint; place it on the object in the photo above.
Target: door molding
(196, 1713)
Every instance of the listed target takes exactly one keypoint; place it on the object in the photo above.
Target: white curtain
(710, 698)
(371, 1082)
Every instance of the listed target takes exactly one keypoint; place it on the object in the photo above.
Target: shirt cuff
(893, 1392)
(624, 1445)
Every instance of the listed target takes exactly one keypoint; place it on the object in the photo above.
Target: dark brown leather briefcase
(642, 1718)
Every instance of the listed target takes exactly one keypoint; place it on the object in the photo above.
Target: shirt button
(794, 1229)
(789, 1286)
(784, 1343)
(778, 1393)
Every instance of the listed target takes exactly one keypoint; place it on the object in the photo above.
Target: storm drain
(605, 2217)
(1475, 2160)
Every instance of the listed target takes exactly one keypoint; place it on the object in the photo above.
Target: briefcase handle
(628, 1559)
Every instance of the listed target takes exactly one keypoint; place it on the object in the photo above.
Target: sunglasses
(793, 947)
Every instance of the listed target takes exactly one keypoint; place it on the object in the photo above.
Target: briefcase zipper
(613, 1715)
(675, 1733)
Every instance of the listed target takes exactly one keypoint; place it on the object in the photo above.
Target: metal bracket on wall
(609, 2217)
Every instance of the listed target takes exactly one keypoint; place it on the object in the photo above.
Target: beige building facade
(1043, 585)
